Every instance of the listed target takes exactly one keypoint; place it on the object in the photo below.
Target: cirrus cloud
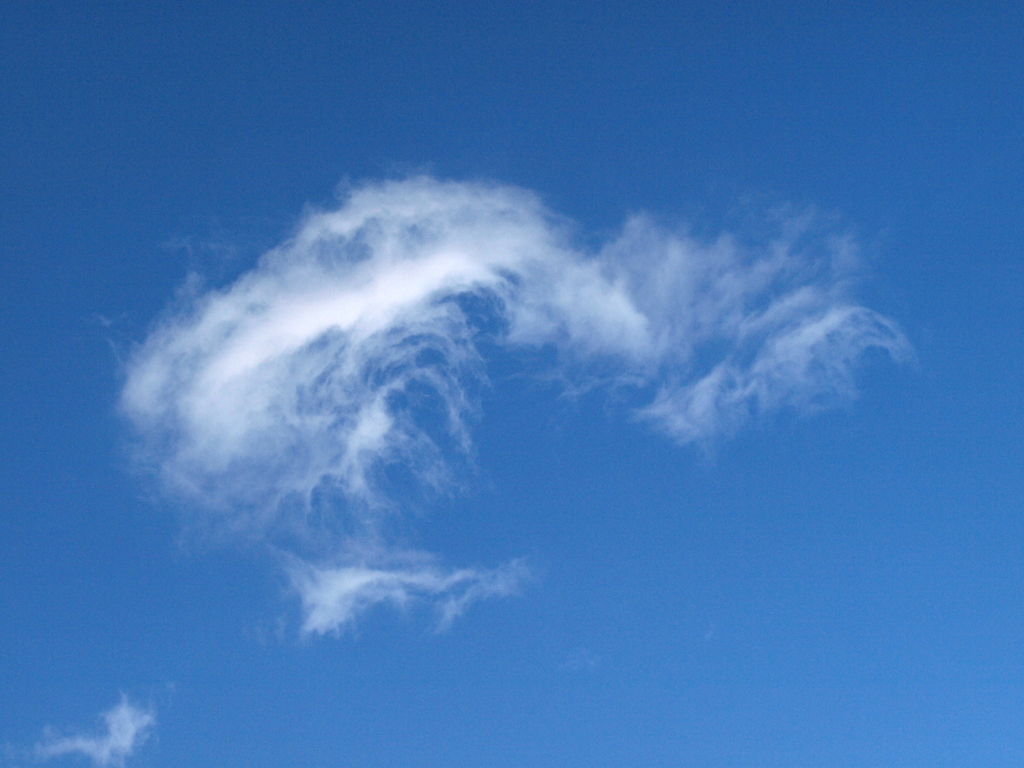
(350, 354)
(127, 726)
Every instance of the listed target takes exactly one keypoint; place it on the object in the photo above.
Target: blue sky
(421, 384)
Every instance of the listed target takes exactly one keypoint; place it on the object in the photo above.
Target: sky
(511, 384)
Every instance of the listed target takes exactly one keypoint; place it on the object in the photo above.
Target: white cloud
(354, 348)
(127, 727)
(332, 597)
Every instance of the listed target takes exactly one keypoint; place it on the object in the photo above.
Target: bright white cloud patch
(348, 356)
(127, 727)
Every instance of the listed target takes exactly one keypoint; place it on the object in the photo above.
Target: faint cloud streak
(332, 597)
(127, 727)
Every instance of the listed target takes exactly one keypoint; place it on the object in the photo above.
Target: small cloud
(710, 634)
(332, 597)
(127, 727)
(580, 660)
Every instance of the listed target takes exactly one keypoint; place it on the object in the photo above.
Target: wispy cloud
(127, 727)
(581, 660)
(341, 370)
(333, 596)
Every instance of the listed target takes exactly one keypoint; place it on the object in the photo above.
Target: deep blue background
(844, 590)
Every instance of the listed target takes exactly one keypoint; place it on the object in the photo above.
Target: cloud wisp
(301, 401)
(127, 727)
(332, 597)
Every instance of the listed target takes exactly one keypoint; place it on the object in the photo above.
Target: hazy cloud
(127, 727)
(581, 660)
(344, 364)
